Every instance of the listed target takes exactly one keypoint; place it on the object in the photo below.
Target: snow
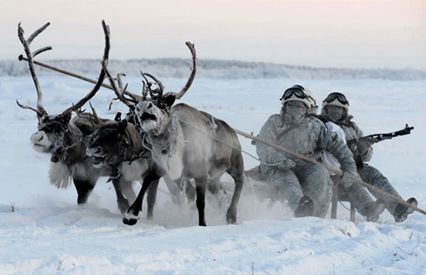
(43, 231)
(213, 68)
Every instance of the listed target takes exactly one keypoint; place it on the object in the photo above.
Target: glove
(282, 162)
(365, 150)
(362, 149)
(348, 179)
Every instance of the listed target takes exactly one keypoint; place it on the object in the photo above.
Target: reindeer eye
(47, 129)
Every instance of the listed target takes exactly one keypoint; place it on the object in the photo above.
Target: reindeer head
(50, 137)
(153, 114)
(106, 143)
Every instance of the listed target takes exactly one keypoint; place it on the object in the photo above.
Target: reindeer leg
(131, 216)
(118, 181)
(237, 173)
(174, 190)
(215, 187)
(200, 187)
(127, 190)
(122, 202)
(231, 214)
(84, 188)
(189, 190)
(152, 196)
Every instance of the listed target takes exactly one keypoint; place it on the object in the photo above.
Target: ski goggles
(296, 91)
(339, 96)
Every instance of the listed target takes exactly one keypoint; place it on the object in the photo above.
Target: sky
(320, 33)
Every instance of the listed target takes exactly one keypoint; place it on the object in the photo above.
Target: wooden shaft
(47, 66)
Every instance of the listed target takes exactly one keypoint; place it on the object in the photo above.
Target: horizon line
(237, 60)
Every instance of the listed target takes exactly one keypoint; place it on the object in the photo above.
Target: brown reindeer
(117, 146)
(64, 138)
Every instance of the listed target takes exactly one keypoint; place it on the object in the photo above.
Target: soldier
(335, 108)
(307, 187)
(357, 194)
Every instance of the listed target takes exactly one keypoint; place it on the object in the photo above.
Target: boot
(373, 210)
(401, 211)
(305, 207)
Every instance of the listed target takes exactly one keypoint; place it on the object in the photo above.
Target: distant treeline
(208, 68)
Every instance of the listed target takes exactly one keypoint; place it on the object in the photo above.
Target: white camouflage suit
(357, 194)
(309, 138)
(368, 173)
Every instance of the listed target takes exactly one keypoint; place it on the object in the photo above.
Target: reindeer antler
(26, 44)
(101, 77)
(30, 59)
(98, 121)
(121, 92)
(192, 75)
(157, 93)
(132, 97)
(144, 90)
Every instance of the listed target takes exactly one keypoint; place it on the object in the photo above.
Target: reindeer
(186, 143)
(117, 146)
(64, 138)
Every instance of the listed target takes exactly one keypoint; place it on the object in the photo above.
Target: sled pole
(282, 149)
(337, 172)
(395, 198)
(50, 67)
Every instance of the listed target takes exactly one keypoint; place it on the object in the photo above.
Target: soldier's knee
(369, 173)
(319, 172)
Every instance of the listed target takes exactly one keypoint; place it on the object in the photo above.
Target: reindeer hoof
(130, 218)
(81, 200)
(231, 220)
(149, 216)
(231, 216)
(130, 221)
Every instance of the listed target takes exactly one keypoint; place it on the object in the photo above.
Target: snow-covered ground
(43, 231)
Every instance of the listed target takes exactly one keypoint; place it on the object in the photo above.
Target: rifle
(358, 147)
(380, 137)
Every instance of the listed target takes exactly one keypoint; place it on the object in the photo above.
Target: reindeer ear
(40, 118)
(117, 117)
(169, 99)
(122, 125)
(66, 118)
